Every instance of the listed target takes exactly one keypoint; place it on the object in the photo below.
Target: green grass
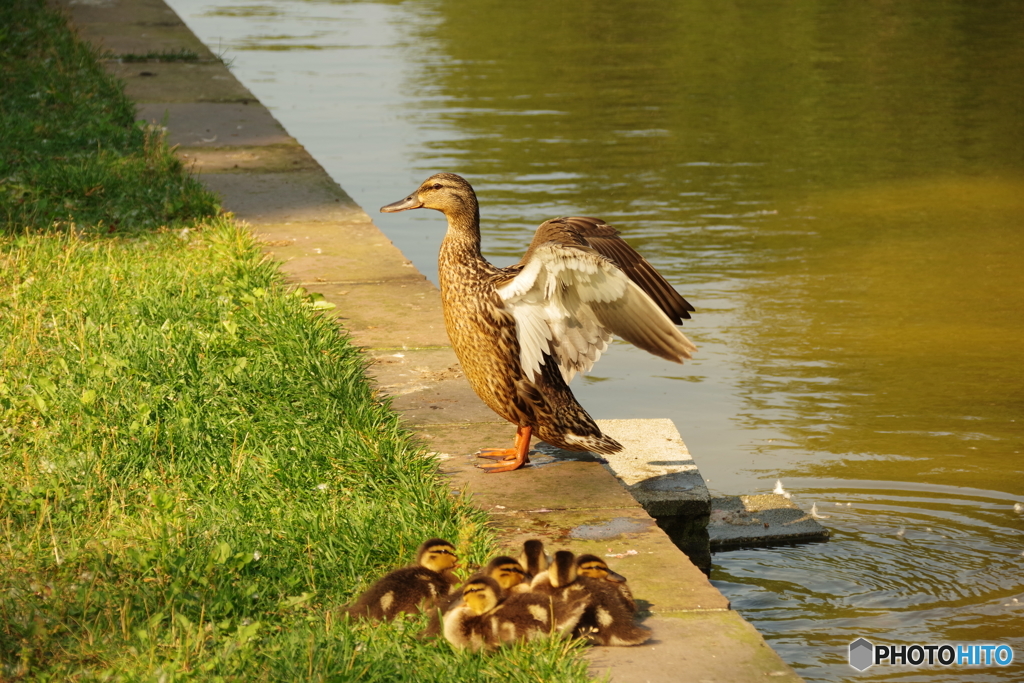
(70, 151)
(195, 474)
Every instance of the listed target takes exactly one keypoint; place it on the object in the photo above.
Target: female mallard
(521, 333)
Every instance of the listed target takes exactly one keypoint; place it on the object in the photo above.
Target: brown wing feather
(606, 241)
(583, 231)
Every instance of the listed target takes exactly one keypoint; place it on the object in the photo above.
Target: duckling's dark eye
(437, 186)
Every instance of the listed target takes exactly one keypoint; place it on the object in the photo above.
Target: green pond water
(839, 190)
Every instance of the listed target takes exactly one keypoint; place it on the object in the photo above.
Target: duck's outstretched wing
(576, 286)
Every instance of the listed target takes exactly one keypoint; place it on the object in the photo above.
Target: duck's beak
(614, 577)
(410, 202)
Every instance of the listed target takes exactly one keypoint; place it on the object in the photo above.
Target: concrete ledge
(767, 519)
(272, 158)
(718, 646)
(657, 468)
(216, 124)
(339, 252)
(301, 197)
(179, 82)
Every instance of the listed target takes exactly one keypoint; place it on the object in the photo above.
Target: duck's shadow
(544, 455)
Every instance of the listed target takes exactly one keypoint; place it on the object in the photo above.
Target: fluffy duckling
(533, 558)
(606, 620)
(427, 580)
(487, 617)
(465, 625)
(596, 568)
(509, 574)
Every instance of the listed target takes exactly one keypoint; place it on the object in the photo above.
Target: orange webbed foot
(496, 453)
(508, 458)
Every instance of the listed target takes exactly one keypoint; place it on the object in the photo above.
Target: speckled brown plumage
(408, 590)
(485, 331)
(606, 619)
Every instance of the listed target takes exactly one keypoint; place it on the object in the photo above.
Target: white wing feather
(568, 302)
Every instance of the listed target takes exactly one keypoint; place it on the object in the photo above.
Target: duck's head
(596, 568)
(437, 555)
(562, 571)
(533, 557)
(506, 571)
(444, 192)
(481, 594)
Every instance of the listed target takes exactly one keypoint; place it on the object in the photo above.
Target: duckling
(533, 558)
(596, 568)
(509, 574)
(606, 620)
(465, 625)
(428, 580)
(488, 617)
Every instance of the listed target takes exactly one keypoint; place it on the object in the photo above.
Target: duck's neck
(464, 227)
(460, 259)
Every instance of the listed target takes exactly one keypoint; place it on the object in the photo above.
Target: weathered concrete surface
(143, 38)
(657, 468)
(337, 252)
(299, 197)
(766, 519)
(329, 245)
(271, 158)
(698, 647)
(217, 124)
(151, 82)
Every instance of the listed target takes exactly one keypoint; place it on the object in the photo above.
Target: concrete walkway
(328, 244)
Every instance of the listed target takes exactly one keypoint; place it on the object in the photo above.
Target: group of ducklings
(510, 600)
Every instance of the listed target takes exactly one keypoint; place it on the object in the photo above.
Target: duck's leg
(504, 453)
(509, 458)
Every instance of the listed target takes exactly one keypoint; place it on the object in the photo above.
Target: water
(838, 188)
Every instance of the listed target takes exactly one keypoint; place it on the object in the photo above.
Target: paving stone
(353, 251)
(765, 519)
(428, 387)
(699, 647)
(218, 125)
(121, 38)
(657, 468)
(392, 314)
(113, 12)
(282, 158)
(179, 82)
(276, 198)
(562, 481)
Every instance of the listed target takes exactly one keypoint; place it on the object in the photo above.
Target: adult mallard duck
(521, 333)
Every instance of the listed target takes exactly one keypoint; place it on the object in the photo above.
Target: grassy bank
(194, 473)
(69, 148)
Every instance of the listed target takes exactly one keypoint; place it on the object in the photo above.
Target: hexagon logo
(862, 654)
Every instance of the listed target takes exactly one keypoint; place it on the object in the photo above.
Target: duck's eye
(437, 186)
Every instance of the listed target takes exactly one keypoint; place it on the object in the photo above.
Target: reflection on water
(839, 190)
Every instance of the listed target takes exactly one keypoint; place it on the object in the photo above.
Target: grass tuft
(180, 55)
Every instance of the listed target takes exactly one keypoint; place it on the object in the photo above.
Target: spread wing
(577, 285)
